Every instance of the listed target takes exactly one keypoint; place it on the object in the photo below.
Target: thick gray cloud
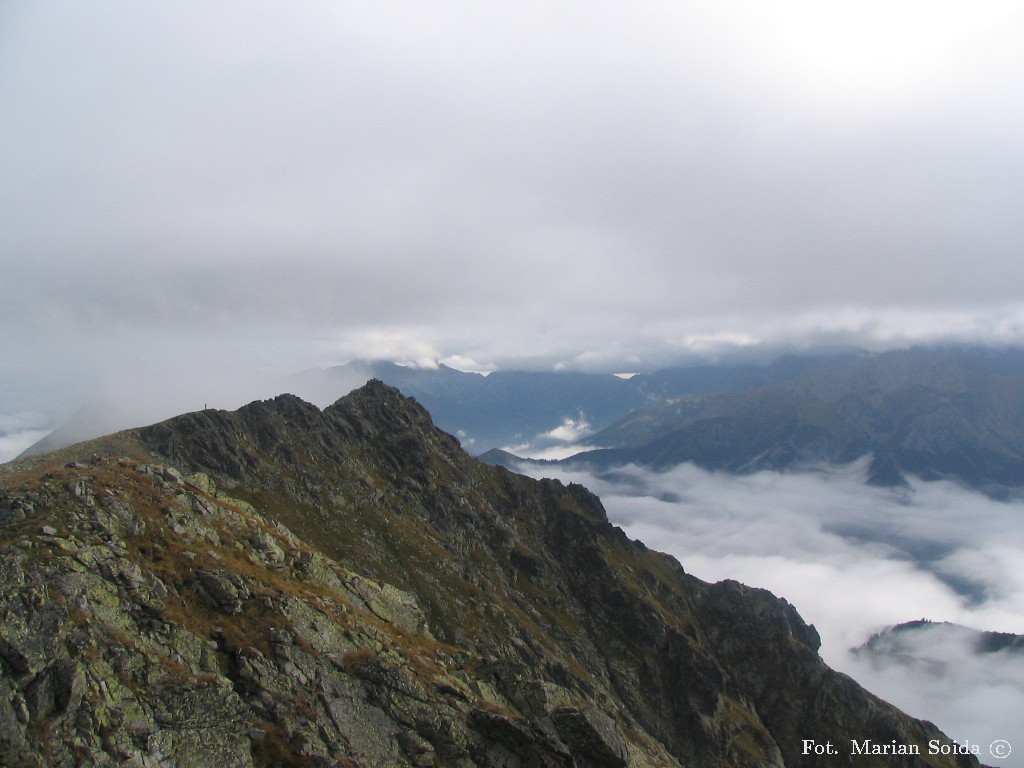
(854, 559)
(509, 185)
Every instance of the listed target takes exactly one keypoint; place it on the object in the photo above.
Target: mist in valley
(854, 559)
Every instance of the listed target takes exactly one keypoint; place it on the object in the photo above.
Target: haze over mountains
(500, 409)
(955, 413)
(947, 413)
(950, 412)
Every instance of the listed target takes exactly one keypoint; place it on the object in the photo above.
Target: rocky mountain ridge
(285, 586)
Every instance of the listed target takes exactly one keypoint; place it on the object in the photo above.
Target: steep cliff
(284, 586)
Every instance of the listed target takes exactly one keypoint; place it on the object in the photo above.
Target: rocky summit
(285, 586)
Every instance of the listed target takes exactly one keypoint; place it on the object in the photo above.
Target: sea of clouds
(855, 559)
(19, 430)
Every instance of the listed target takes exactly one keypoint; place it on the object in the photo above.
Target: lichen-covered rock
(388, 603)
(223, 591)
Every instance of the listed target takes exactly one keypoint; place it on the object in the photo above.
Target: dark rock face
(284, 586)
(592, 735)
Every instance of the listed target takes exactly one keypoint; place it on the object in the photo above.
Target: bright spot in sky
(875, 48)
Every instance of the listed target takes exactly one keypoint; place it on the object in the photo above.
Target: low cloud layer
(853, 559)
(939, 675)
(559, 442)
(13, 443)
(20, 430)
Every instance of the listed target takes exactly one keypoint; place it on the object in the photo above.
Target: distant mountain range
(505, 409)
(934, 413)
(955, 413)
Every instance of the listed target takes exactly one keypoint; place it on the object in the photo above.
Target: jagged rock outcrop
(287, 586)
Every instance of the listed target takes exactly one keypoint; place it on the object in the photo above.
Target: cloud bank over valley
(853, 559)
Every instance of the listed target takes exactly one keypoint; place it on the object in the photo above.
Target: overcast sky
(200, 192)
